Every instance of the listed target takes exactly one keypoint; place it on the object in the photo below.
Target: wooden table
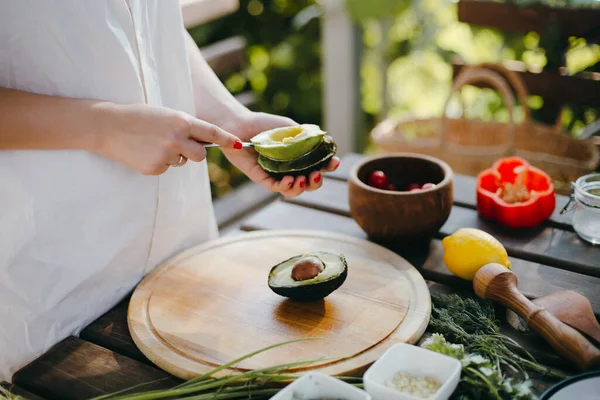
(104, 358)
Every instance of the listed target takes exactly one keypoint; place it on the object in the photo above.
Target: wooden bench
(552, 83)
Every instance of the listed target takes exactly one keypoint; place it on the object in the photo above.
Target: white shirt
(78, 231)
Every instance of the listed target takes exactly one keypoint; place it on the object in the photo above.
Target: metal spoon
(244, 144)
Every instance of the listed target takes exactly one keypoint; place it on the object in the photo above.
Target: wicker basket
(472, 145)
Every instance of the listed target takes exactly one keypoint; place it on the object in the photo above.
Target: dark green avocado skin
(280, 175)
(313, 161)
(312, 292)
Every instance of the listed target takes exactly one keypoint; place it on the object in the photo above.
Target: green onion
(253, 384)
(7, 395)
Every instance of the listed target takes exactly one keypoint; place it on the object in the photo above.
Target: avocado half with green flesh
(309, 277)
(288, 143)
(316, 159)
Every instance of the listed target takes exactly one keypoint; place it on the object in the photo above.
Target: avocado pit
(307, 268)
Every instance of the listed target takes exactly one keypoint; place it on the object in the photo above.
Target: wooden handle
(497, 283)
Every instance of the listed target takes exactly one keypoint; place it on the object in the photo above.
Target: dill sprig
(472, 322)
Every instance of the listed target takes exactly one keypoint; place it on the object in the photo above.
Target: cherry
(412, 187)
(378, 179)
(428, 186)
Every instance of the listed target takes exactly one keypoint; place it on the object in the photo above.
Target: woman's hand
(150, 139)
(248, 126)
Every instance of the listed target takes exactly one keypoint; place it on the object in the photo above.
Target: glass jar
(586, 219)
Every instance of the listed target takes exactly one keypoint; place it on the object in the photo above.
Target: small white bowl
(315, 385)
(416, 361)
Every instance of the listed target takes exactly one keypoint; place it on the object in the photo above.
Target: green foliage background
(407, 50)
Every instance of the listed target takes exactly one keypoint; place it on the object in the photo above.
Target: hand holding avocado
(287, 158)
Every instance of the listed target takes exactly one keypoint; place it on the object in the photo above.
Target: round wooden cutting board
(212, 304)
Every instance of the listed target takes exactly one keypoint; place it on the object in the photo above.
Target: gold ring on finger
(182, 161)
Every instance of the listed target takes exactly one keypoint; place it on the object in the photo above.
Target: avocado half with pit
(309, 277)
(294, 150)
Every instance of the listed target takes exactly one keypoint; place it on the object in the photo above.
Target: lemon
(469, 249)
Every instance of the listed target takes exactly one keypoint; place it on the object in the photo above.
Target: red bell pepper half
(515, 194)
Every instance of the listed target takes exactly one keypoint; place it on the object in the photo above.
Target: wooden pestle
(499, 284)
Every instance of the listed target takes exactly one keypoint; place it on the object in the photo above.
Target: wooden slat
(347, 161)
(582, 89)
(196, 12)
(512, 18)
(551, 246)
(535, 279)
(247, 197)
(18, 391)
(247, 99)
(75, 369)
(225, 56)
(111, 332)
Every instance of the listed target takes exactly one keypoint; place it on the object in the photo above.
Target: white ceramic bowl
(416, 361)
(315, 385)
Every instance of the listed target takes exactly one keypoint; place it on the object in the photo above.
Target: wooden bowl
(401, 218)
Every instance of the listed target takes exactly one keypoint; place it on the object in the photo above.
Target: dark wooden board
(225, 56)
(247, 99)
(111, 332)
(464, 192)
(547, 245)
(550, 85)
(347, 161)
(18, 391)
(75, 369)
(535, 279)
(510, 17)
(244, 199)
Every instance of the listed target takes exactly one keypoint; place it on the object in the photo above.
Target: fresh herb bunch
(480, 377)
(472, 322)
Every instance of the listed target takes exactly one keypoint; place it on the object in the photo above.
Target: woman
(102, 104)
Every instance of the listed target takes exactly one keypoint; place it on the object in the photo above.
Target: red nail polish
(302, 183)
(237, 145)
(318, 178)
